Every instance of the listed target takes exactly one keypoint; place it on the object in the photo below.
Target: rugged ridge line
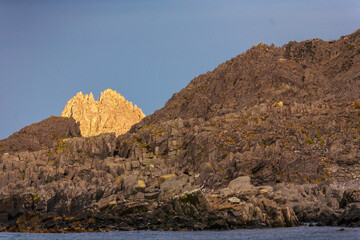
(297, 73)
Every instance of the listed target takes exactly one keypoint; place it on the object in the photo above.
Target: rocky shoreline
(192, 211)
(68, 195)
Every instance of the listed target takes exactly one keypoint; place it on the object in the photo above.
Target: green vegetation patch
(356, 105)
(36, 197)
(59, 148)
(263, 143)
(148, 126)
(143, 144)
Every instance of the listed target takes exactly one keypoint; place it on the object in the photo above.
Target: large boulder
(351, 202)
(240, 184)
(351, 195)
(351, 216)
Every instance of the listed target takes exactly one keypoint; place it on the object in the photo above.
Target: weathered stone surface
(351, 216)
(351, 204)
(234, 200)
(110, 113)
(328, 217)
(351, 195)
(240, 184)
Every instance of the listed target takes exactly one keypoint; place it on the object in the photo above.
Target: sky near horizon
(145, 50)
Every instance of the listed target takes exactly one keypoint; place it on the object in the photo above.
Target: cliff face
(269, 138)
(110, 113)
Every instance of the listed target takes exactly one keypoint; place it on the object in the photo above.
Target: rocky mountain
(310, 72)
(110, 113)
(270, 138)
(280, 114)
(41, 135)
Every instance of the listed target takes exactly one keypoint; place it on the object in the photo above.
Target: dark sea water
(277, 233)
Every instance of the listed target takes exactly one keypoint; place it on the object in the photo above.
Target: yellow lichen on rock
(110, 113)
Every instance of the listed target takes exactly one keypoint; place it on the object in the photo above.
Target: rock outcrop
(268, 139)
(41, 135)
(351, 203)
(110, 113)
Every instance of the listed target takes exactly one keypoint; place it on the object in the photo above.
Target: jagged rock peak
(110, 113)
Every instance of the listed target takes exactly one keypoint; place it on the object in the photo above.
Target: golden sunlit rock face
(110, 113)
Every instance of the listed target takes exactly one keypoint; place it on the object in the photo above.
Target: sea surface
(274, 233)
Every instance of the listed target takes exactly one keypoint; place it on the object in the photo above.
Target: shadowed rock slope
(270, 138)
(41, 135)
(110, 113)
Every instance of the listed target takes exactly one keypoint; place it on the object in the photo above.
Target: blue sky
(146, 50)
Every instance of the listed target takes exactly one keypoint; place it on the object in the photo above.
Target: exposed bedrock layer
(270, 138)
